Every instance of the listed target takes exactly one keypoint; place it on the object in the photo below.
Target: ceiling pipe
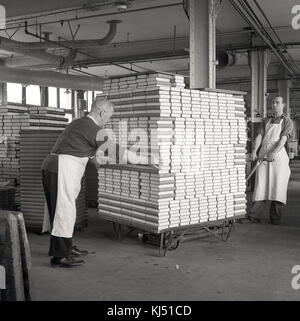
(26, 48)
(276, 50)
(225, 59)
(69, 59)
(50, 79)
(129, 11)
(229, 58)
(79, 51)
(9, 45)
(75, 44)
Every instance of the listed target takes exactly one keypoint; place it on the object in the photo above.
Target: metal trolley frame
(169, 239)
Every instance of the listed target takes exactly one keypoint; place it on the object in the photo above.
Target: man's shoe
(242, 220)
(275, 222)
(77, 252)
(253, 219)
(66, 262)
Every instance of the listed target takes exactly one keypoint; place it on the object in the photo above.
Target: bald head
(102, 110)
(100, 104)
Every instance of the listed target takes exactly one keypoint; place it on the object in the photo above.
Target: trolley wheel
(144, 238)
(171, 242)
(226, 230)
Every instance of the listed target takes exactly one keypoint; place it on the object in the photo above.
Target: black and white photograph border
(149, 153)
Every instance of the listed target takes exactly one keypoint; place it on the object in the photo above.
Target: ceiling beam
(50, 79)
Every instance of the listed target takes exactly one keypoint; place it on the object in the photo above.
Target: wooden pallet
(15, 257)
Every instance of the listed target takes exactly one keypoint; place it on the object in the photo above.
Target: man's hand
(154, 159)
(253, 156)
(270, 157)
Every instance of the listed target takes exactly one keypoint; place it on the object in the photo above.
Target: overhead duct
(10, 45)
(227, 59)
(36, 49)
(77, 44)
(74, 44)
(224, 59)
(59, 61)
(50, 79)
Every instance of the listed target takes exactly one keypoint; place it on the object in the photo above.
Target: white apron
(70, 172)
(46, 221)
(271, 180)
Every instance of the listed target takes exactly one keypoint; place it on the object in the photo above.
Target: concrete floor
(254, 264)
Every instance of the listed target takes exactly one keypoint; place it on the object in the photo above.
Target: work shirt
(78, 139)
(286, 127)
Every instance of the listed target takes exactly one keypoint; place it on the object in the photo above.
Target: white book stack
(178, 81)
(13, 119)
(146, 193)
(200, 137)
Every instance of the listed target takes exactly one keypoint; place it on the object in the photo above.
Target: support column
(283, 87)
(80, 104)
(203, 16)
(44, 96)
(259, 61)
(3, 94)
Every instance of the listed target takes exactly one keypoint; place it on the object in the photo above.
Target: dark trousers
(275, 212)
(59, 246)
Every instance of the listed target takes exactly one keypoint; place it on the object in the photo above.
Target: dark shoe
(242, 220)
(77, 252)
(275, 222)
(66, 262)
(253, 219)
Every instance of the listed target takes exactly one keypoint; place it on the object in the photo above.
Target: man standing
(62, 172)
(273, 174)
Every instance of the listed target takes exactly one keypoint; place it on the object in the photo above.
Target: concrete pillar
(203, 16)
(24, 94)
(295, 130)
(80, 104)
(3, 94)
(283, 87)
(259, 61)
(44, 96)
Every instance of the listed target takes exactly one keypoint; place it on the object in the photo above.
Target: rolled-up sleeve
(261, 129)
(287, 128)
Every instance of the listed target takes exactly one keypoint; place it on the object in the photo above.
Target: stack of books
(199, 137)
(35, 145)
(13, 119)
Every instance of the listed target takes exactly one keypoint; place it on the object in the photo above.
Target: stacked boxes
(91, 185)
(12, 120)
(35, 145)
(7, 198)
(200, 138)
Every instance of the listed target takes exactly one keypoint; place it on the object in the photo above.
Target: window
(52, 94)
(98, 93)
(33, 95)
(70, 117)
(88, 96)
(14, 93)
(65, 98)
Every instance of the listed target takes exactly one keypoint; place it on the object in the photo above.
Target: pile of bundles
(199, 137)
(13, 119)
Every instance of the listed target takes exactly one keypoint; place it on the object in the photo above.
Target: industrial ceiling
(149, 35)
